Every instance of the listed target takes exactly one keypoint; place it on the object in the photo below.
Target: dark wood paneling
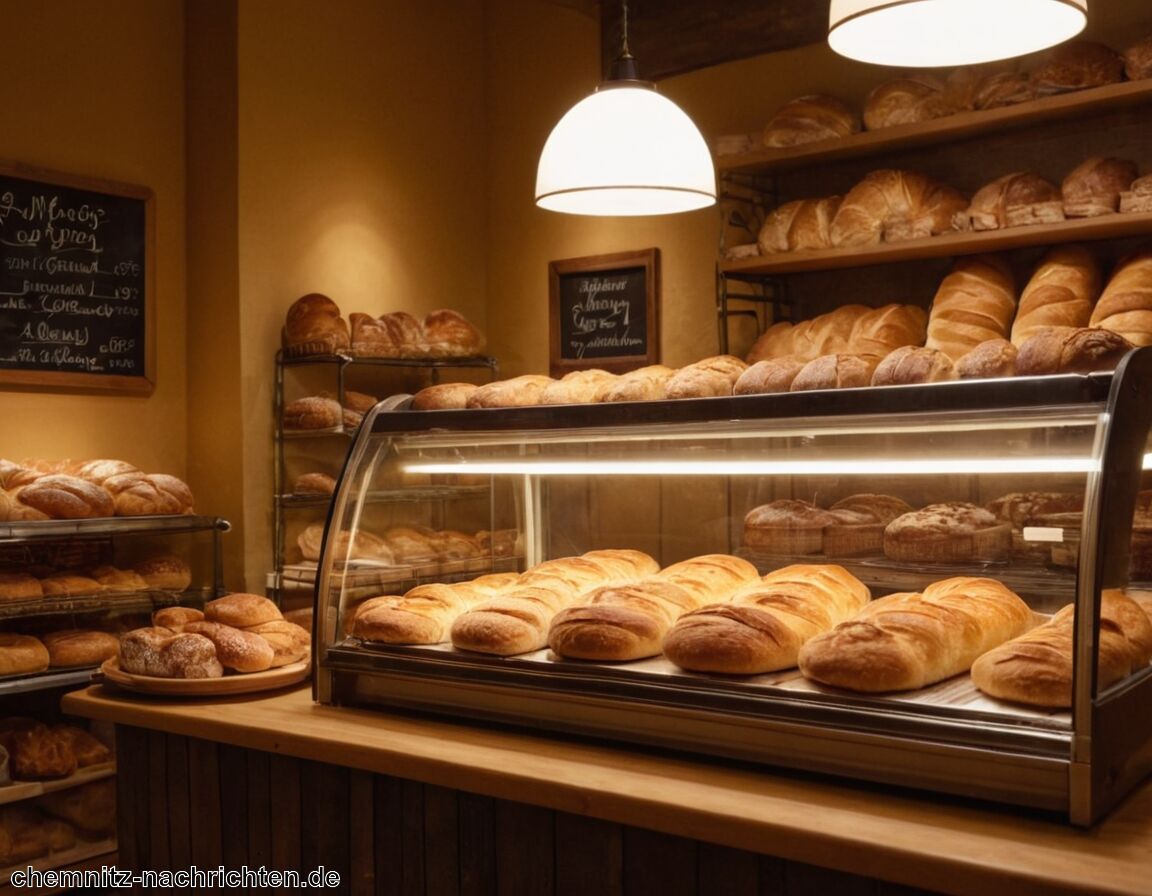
(176, 798)
(670, 37)
(592, 857)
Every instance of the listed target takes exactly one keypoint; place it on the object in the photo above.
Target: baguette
(906, 641)
(1036, 667)
(763, 626)
(1060, 293)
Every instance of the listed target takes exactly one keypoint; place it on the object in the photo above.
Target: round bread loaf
(21, 654)
(913, 364)
(1094, 186)
(236, 649)
(313, 412)
(241, 610)
(449, 335)
(63, 497)
(1077, 65)
(860, 523)
(119, 581)
(786, 526)
(313, 322)
(76, 647)
(63, 584)
(946, 533)
(175, 618)
(166, 572)
(768, 376)
(810, 119)
(19, 586)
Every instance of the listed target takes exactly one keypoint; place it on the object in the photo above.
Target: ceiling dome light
(927, 33)
(625, 150)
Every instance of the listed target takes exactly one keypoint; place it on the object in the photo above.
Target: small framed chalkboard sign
(605, 312)
(76, 305)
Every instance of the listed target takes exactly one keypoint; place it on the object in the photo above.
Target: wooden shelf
(948, 244)
(19, 791)
(941, 130)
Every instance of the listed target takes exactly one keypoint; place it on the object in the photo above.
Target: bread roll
(1077, 65)
(975, 302)
(1013, 200)
(907, 641)
(648, 383)
(907, 100)
(175, 618)
(313, 412)
(914, 364)
(449, 335)
(710, 377)
(577, 387)
(839, 371)
(1036, 667)
(1094, 186)
(69, 648)
(19, 586)
(798, 226)
(810, 119)
(786, 526)
(1084, 350)
(22, 654)
(1060, 294)
(890, 206)
(1125, 305)
(241, 610)
(991, 359)
(1137, 198)
(947, 533)
(775, 375)
(764, 624)
(516, 392)
(313, 322)
(860, 521)
(242, 651)
(143, 494)
(443, 396)
(62, 497)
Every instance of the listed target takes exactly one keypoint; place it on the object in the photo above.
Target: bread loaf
(241, 609)
(831, 333)
(144, 494)
(974, 303)
(313, 412)
(786, 526)
(175, 618)
(947, 533)
(22, 654)
(516, 392)
(577, 387)
(911, 640)
(449, 335)
(648, 383)
(68, 584)
(88, 749)
(878, 331)
(710, 377)
(810, 119)
(241, 651)
(422, 615)
(19, 586)
(890, 206)
(69, 648)
(1077, 65)
(1083, 350)
(1138, 197)
(290, 642)
(396, 334)
(1138, 60)
(913, 364)
(765, 622)
(313, 323)
(839, 371)
(119, 581)
(907, 100)
(166, 572)
(62, 497)
(997, 89)
(1060, 294)
(319, 484)
(1036, 667)
(443, 396)
(1125, 305)
(859, 524)
(162, 653)
(98, 471)
(775, 375)
(802, 225)
(989, 360)
(38, 751)
(1094, 186)
(1013, 200)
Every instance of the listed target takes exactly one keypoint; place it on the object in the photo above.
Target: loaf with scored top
(975, 302)
(1125, 305)
(1060, 293)
(1094, 186)
(810, 119)
(890, 206)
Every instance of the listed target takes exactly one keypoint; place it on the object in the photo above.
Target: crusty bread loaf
(313, 412)
(22, 654)
(314, 483)
(241, 609)
(908, 100)
(1060, 293)
(786, 526)
(69, 584)
(1094, 186)
(63, 497)
(175, 618)
(990, 359)
(891, 205)
(810, 119)
(628, 620)
(1138, 197)
(313, 324)
(448, 334)
(164, 571)
(100, 470)
(422, 615)
(911, 640)
(236, 649)
(913, 364)
(1005, 87)
(774, 375)
(824, 334)
(443, 396)
(1125, 305)
(161, 653)
(1036, 667)
(839, 371)
(1012, 200)
(947, 533)
(766, 621)
(709, 377)
(878, 331)
(1138, 60)
(147, 494)
(577, 387)
(975, 302)
(19, 586)
(648, 383)
(1083, 350)
(69, 648)
(859, 524)
(798, 226)
(290, 642)
(1077, 65)
(396, 334)
(515, 392)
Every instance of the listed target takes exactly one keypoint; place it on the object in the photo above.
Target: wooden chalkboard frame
(643, 264)
(84, 382)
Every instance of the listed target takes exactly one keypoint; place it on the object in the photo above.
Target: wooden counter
(916, 841)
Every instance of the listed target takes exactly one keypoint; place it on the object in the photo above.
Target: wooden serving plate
(206, 687)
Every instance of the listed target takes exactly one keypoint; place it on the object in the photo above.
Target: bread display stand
(694, 468)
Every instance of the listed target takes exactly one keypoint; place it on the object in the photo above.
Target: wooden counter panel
(923, 842)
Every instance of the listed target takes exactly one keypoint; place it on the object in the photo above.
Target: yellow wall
(96, 89)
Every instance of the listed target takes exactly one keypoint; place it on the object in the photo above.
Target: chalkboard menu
(74, 283)
(604, 312)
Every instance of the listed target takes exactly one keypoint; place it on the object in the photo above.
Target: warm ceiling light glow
(925, 33)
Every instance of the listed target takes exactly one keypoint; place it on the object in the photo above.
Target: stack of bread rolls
(37, 489)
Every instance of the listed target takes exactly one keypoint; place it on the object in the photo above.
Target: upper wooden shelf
(947, 244)
(942, 130)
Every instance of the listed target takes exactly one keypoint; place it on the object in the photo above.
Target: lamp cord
(624, 66)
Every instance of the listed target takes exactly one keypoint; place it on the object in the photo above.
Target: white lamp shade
(925, 33)
(625, 150)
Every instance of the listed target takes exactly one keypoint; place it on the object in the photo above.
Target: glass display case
(682, 479)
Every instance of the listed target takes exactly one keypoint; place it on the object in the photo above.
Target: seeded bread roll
(810, 119)
(76, 647)
(947, 533)
(1035, 668)
(906, 641)
(764, 624)
(786, 526)
(974, 303)
(1061, 293)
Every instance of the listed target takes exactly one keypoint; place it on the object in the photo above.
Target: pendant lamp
(926, 33)
(625, 150)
